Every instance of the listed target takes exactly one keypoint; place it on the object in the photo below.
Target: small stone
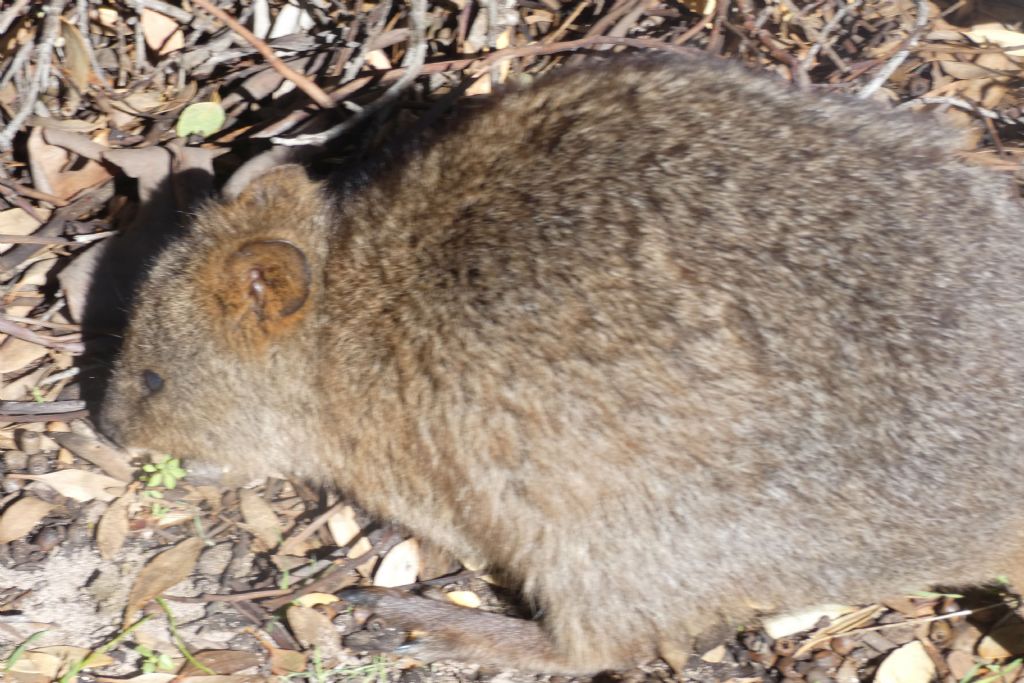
(842, 645)
(785, 647)
(876, 641)
(848, 672)
(15, 461)
(817, 674)
(940, 633)
(965, 637)
(827, 659)
(713, 656)
(960, 663)
(38, 463)
(29, 442)
(908, 664)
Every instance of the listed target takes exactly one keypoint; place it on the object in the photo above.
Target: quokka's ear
(262, 291)
(288, 183)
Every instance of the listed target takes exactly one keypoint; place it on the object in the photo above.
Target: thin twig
(83, 27)
(961, 103)
(12, 13)
(27, 408)
(71, 343)
(412, 64)
(822, 37)
(32, 193)
(894, 63)
(304, 84)
(44, 53)
(32, 239)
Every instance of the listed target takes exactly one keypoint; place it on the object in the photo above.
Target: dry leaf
(283, 662)
(292, 18)
(994, 34)
(68, 654)
(907, 664)
(715, 655)
(400, 566)
(16, 221)
(21, 517)
(163, 571)
(260, 519)
(162, 34)
(53, 172)
(343, 526)
(17, 354)
(314, 599)
(788, 624)
(78, 484)
(32, 664)
(313, 630)
(221, 661)
(76, 55)
(112, 529)
(464, 599)
(112, 461)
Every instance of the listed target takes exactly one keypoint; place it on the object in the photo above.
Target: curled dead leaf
(21, 517)
(78, 484)
(163, 571)
(112, 529)
(260, 519)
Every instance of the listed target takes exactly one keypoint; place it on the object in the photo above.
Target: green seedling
(179, 642)
(76, 668)
(9, 663)
(163, 474)
(995, 672)
(154, 661)
(376, 670)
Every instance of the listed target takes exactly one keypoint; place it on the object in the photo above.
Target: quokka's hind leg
(439, 630)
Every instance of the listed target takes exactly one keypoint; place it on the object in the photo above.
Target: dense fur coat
(665, 343)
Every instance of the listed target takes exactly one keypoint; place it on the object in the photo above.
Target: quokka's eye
(154, 382)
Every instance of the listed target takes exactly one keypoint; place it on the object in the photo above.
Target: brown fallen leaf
(33, 667)
(225, 679)
(68, 655)
(112, 529)
(76, 56)
(78, 484)
(109, 459)
(162, 34)
(16, 354)
(53, 172)
(260, 519)
(284, 662)
(314, 630)
(221, 661)
(21, 517)
(163, 571)
(17, 221)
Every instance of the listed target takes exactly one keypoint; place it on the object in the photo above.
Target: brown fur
(657, 339)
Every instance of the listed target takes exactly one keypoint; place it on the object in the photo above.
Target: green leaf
(200, 118)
